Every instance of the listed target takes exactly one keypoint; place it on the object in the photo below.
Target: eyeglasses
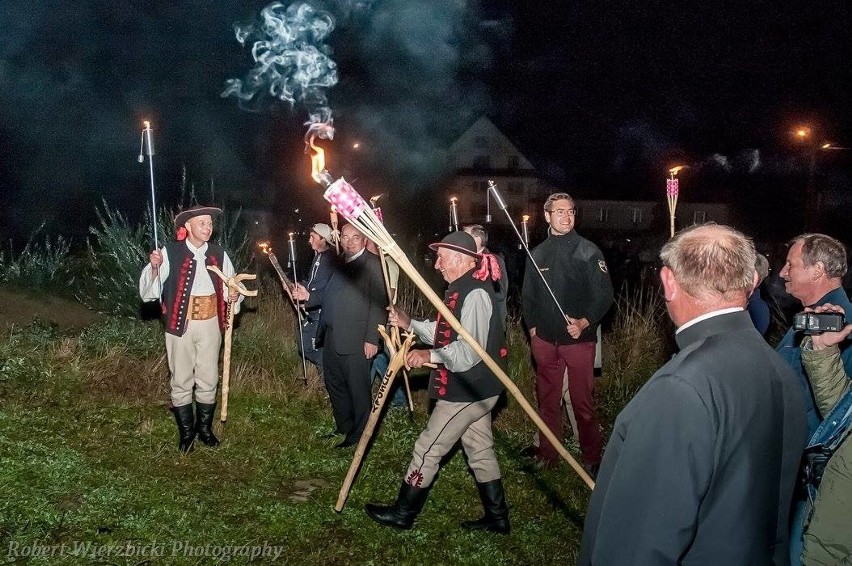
(563, 211)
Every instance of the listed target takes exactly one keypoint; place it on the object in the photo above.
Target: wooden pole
(233, 283)
(394, 335)
(397, 362)
(356, 210)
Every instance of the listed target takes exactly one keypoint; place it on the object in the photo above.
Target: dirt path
(22, 308)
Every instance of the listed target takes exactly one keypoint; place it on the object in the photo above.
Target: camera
(817, 323)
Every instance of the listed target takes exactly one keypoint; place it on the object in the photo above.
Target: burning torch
(454, 214)
(358, 212)
(525, 231)
(672, 189)
(147, 148)
(291, 242)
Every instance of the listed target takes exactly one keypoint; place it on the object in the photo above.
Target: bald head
(707, 267)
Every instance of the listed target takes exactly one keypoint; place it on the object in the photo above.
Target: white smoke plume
(292, 62)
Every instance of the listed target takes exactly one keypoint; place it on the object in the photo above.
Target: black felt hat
(194, 211)
(459, 241)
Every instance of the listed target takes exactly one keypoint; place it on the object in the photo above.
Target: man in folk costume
(464, 388)
(194, 305)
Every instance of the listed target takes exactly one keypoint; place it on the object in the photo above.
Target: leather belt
(202, 307)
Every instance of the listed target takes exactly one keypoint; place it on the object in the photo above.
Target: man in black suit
(354, 307)
(701, 463)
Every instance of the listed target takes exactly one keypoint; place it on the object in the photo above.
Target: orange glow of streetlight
(803, 132)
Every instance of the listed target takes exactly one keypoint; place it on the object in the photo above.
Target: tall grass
(41, 264)
(638, 343)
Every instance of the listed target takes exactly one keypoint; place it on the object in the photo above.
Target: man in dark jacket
(701, 464)
(354, 307)
(464, 388)
(813, 273)
(311, 290)
(576, 272)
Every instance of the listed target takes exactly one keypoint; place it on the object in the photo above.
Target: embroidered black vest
(177, 287)
(479, 382)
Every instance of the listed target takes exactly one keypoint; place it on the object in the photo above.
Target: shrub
(120, 250)
(40, 264)
(114, 261)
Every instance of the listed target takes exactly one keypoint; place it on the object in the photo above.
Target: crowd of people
(732, 452)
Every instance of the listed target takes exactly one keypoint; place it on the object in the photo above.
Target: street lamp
(805, 135)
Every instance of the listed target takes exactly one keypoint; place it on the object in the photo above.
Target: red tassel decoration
(181, 234)
(488, 265)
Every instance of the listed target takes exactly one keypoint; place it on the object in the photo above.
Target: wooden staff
(233, 283)
(394, 338)
(397, 362)
(355, 209)
(335, 233)
(286, 284)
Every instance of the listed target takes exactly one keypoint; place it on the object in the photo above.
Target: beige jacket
(828, 534)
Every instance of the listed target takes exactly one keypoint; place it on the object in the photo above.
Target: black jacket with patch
(577, 273)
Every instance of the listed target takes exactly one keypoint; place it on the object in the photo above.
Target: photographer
(827, 513)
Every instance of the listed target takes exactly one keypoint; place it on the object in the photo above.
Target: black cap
(194, 211)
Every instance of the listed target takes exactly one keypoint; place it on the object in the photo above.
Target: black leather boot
(401, 514)
(496, 517)
(186, 430)
(204, 423)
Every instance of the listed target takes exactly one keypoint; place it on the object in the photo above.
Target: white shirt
(707, 315)
(459, 356)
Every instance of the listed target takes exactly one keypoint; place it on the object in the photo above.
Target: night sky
(603, 97)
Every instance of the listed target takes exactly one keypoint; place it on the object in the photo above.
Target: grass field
(90, 470)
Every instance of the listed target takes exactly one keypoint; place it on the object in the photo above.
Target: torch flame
(525, 218)
(454, 200)
(147, 124)
(317, 160)
(265, 247)
(674, 170)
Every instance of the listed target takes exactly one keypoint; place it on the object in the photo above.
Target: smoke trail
(415, 80)
(748, 160)
(291, 61)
